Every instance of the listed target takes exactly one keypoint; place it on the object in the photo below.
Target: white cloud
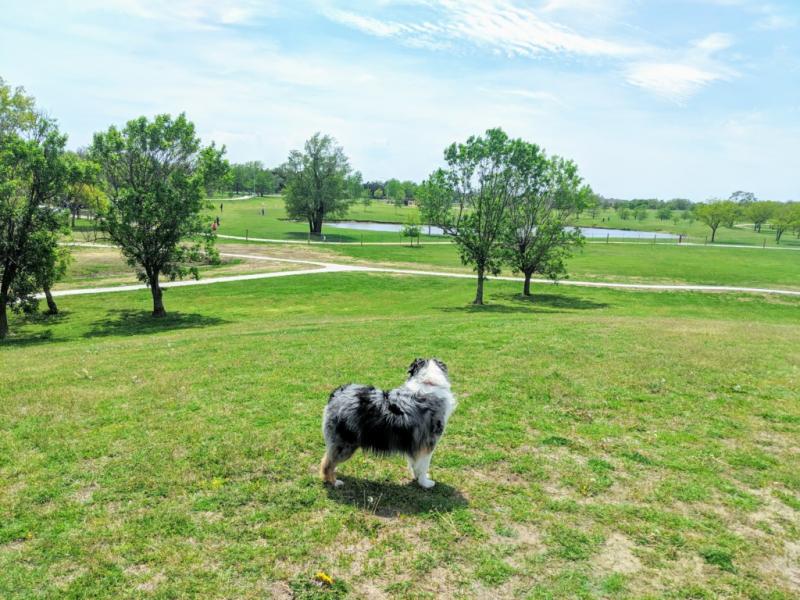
(674, 81)
(499, 25)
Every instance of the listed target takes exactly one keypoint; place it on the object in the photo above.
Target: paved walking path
(314, 267)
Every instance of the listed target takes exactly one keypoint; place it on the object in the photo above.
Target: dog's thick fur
(406, 420)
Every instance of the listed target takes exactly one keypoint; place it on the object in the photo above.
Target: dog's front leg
(420, 469)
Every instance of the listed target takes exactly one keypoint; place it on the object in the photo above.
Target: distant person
(214, 226)
(262, 211)
(220, 207)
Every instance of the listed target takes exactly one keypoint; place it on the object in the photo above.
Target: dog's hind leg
(421, 464)
(335, 455)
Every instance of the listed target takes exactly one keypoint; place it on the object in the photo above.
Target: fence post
(246, 235)
(607, 236)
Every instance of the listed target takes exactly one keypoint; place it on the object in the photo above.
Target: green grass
(607, 444)
(697, 231)
(243, 217)
(633, 263)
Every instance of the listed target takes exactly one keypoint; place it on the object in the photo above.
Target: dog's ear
(441, 365)
(415, 366)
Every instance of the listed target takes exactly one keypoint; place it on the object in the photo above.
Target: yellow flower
(324, 578)
(216, 483)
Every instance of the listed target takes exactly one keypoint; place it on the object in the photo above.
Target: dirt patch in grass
(616, 556)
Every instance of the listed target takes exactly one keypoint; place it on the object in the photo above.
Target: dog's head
(429, 371)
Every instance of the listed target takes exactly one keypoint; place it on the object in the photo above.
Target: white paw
(338, 483)
(426, 483)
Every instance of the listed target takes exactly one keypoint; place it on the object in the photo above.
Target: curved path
(313, 267)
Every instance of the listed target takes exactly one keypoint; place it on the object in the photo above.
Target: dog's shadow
(386, 499)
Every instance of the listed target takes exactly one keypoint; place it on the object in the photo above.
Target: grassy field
(607, 445)
(633, 263)
(244, 216)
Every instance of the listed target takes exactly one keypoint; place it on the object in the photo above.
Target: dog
(407, 420)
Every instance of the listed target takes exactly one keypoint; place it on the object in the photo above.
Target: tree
(411, 227)
(759, 213)
(81, 190)
(32, 176)
(316, 184)
(435, 198)
(395, 192)
(784, 216)
(716, 213)
(664, 213)
(156, 174)
(547, 195)
(744, 198)
(479, 176)
(355, 186)
(641, 214)
(623, 212)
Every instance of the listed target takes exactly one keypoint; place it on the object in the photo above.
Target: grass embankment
(607, 444)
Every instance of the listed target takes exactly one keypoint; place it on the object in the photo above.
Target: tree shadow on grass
(137, 322)
(538, 303)
(555, 301)
(18, 336)
(387, 499)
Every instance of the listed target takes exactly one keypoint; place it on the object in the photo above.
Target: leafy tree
(46, 262)
(411, 227)
(316, 185)
(716, 213)
(435, 198)
(32, 176)
(548, 193)
(784, 217)
(81, 191)
(741, 197)
(624, 213)
(156, 174)
(641, 214)
(378, 194)
(664, 213)
(409, 190)
(395, 192)
(355, 186)
(479, 175)
(759, 213)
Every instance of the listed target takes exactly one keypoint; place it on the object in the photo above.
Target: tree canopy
(32, 176)
(155, 173)
(316, 182)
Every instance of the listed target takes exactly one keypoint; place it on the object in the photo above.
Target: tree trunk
(3, 318)
(73, 219)
(158, 301)
(52, 308)
(526, 289)
(713, 234)
(479, 293)
(778, 234)
(316, 224)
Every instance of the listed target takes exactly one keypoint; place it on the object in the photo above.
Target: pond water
(589, 232)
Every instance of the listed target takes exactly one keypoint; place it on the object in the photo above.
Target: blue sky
(652, 98)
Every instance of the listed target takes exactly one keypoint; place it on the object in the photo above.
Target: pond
(589, 232)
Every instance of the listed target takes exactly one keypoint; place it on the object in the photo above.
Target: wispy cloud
(499, 25)
(508, 28)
